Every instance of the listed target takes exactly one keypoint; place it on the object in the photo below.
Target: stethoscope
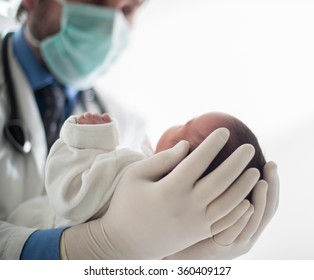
(15, 129)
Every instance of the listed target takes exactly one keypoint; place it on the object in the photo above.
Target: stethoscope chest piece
(17, 133)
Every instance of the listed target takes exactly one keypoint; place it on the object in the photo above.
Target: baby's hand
(89, 118)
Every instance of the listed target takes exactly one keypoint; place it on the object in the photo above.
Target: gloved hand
(152, 215)
(241, 236)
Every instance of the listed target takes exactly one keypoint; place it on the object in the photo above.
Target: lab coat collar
(36, 73)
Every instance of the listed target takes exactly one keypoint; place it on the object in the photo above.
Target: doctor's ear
(25, 7)
(30, 5)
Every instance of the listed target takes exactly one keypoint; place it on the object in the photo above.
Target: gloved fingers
(231, 218)
(271, 177)
(214, 184)
(155, 167)
(259, 202)
(228, 236)
(225, 203)
(193, 166)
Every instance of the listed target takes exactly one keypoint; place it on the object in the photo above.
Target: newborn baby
(84, 165)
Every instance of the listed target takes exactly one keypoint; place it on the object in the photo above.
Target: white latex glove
(152, 215)
(242, 235)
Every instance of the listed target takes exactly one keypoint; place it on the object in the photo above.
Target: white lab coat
(22, 176)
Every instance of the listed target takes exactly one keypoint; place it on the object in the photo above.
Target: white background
(253, 59)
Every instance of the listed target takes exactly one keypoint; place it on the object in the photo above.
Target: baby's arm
(89, 118)
(79, 168)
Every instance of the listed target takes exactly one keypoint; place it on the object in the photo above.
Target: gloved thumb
(160, 164)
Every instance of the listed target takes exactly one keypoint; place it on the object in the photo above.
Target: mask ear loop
(61, 2)
(15, 130)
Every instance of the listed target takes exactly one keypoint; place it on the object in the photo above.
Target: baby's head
(196, 130)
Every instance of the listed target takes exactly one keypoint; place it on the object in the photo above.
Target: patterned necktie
(51, 101)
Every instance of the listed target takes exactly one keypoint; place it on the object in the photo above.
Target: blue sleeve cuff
(43, 245)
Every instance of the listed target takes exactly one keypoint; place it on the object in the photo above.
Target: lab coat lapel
(29, 113)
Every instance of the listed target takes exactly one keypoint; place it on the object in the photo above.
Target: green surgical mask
(89, 41)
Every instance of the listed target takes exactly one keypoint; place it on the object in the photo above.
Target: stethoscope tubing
(15, 129)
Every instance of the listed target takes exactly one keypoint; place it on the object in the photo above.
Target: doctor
(47, 70)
